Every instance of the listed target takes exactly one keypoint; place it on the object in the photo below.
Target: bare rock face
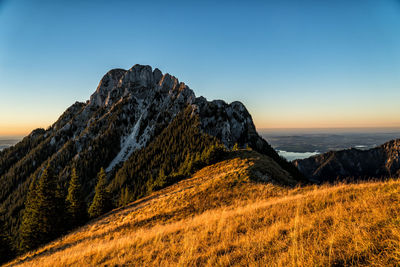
(139, 82)
(392, 152)
(379, 162)
(105, 87)
(148, 101)
(231, 123)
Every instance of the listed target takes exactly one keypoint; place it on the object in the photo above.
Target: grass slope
(223, 215)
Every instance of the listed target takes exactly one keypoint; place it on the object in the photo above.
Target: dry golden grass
(221, 217)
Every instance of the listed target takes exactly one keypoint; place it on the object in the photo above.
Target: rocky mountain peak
(139, 82)
(148, 101)
(139, 76)
(156, 98)
(109, 81)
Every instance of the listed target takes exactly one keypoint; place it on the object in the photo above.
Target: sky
(294, 64)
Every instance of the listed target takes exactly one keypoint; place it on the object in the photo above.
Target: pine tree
(47, 205)
(5, 247)
(28, 239)
(40, 223)
(184, 168)
(61, 225)
(161, 179)
(125, 197)
(101, 201)
(76, 206)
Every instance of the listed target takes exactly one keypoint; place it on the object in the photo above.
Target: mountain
(226, 214)
(145, 128)
(379, 162)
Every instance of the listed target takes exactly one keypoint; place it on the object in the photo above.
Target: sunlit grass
(221, 217)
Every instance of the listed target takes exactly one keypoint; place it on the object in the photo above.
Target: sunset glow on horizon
(23, 128)
(309, 65)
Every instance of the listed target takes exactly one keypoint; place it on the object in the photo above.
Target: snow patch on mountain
(129, 145)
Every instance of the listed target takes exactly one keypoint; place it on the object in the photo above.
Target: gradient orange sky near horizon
(23, 126)
(289, 116)
(314, 64)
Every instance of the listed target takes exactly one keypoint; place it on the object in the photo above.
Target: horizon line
(21, 135)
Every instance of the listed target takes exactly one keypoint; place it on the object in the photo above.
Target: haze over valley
(302, 143)
(9, 141)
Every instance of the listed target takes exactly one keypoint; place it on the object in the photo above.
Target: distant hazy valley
(8, 141)
(302, 143)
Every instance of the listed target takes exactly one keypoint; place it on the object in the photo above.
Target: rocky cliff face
(147, 101)
(380, 162)
(128, 111)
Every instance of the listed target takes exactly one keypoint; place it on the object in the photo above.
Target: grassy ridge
(223, 216)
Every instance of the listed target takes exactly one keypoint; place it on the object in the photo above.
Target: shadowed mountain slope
(379, 162)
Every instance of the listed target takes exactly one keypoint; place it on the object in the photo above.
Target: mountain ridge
(116, 127)
(380, 162)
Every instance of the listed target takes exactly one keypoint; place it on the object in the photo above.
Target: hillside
(145, 128)
(241, 211)
(380, 162)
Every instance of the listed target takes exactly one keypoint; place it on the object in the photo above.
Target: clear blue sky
(328, 63)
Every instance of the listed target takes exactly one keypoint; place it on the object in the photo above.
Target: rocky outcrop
(379, 162)
(148, 99)
(231, 123)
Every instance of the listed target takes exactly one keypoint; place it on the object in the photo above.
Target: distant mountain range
(379, 162)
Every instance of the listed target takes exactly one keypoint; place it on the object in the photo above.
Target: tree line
(50, 213)
(180, 149)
